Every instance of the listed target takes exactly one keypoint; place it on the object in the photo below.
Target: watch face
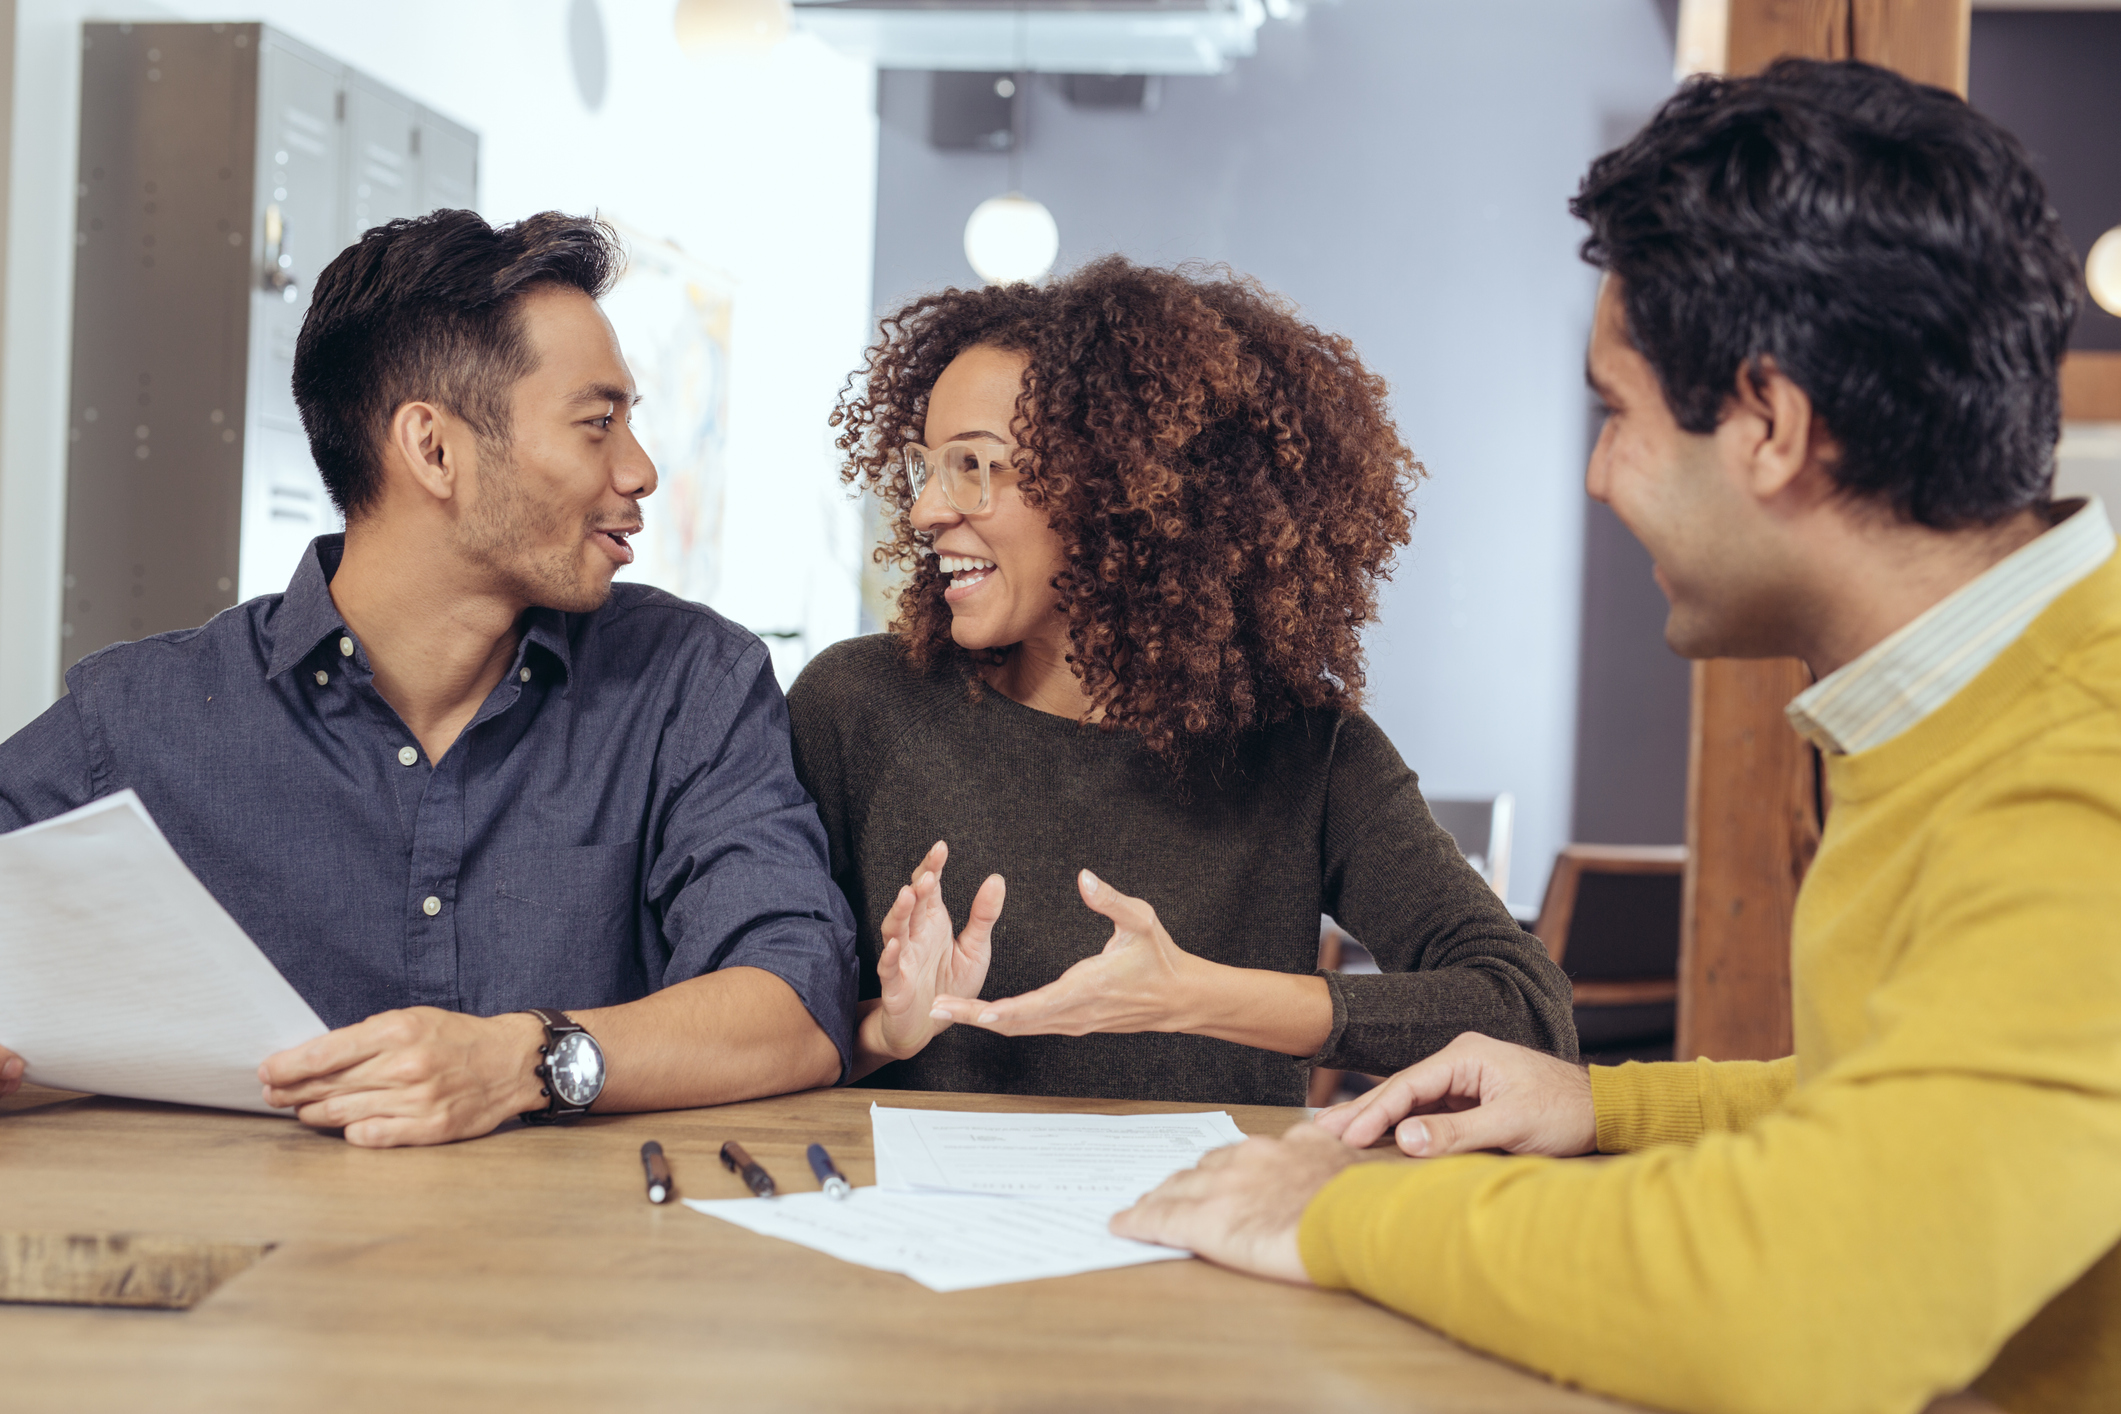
(577, 1068)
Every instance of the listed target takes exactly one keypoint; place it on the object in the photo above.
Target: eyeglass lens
(961, 468)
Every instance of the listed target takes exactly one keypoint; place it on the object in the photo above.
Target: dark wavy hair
(1225, 479)
(1889, 247)
(430, 309)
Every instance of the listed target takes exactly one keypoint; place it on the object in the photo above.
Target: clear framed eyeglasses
(964, 470)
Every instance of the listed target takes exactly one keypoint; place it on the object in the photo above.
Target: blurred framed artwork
(672, 313)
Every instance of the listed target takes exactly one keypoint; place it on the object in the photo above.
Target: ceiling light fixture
(707, 27)
(1011, 238)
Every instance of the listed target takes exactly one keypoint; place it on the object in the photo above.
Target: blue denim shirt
(620, 815)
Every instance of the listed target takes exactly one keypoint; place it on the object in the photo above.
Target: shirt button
(322, 677)
(345, 647)
(431, 906)
(524, 675)
(407, 756)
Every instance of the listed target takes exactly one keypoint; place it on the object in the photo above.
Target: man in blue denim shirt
(454, 771)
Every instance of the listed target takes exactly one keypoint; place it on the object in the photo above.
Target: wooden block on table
(118, 1268)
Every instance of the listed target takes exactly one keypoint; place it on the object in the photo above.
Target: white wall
(2088, 463)
(764, 167)
(1402, 171)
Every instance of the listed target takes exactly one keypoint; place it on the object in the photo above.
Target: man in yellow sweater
(1828, 339)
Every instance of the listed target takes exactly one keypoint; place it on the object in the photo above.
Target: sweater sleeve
(1870, 1242)
(1451, 957)
(1670, 1102)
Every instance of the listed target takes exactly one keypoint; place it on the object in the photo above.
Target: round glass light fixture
(706, 27)
(1011, 238)
(2102, 271)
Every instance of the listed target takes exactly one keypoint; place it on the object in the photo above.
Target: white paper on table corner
(945, 1241)
(121, 975)
(1113, 1159)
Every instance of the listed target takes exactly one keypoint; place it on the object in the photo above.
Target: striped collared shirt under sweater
(1917, 670)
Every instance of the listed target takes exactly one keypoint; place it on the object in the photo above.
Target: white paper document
(120, 974)
(965, 1200)
(945, 1241)
(1113, 1159)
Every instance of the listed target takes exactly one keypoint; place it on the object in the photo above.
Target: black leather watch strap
(557, 1024)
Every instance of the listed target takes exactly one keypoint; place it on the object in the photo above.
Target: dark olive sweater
(1316, 815)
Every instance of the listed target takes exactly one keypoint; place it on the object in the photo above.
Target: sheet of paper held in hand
(120, 974)
(968, 1200)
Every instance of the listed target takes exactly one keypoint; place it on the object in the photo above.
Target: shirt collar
(547, 629)
(308, 615)
(1919, 668)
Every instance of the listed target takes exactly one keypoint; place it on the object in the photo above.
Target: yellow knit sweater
(1928, 1194)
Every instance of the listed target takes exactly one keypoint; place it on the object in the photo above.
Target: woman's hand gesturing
(1142, 981)
(921, 961)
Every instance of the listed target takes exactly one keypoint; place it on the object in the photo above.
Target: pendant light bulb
(2102, 271)
(1011, 238)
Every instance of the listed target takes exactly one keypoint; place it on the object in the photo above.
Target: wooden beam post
(1752, 818)
(2091, 386)
(1753, 809)
(1925, 39)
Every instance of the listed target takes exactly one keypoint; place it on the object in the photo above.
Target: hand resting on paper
(11, 1068)
(1476, 1093)
(1241, 1206)
(417, 1076)
(921, 960)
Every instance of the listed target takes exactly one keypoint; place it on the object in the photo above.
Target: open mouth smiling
(965, 573)
(614, 540)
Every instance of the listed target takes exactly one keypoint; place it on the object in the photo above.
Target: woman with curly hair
(1144, 515)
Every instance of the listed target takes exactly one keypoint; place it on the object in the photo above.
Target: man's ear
(425, 446)
(1782, 437)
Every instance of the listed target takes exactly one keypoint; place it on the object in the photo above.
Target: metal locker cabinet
(449, 164)
(382, 151)
(161, 324)
(297, 226)
(219, 171)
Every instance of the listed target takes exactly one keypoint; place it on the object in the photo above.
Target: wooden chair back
(1611, 921)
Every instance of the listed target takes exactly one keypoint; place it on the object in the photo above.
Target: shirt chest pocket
(580, 901)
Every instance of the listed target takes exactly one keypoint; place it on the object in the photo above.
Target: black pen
(658, 1170)
(755, 1178)
(829, 1177)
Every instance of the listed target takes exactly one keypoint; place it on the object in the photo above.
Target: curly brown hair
(1226, 482)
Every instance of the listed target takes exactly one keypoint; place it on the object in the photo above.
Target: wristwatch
(570, 1068)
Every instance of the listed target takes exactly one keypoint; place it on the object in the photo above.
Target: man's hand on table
(418, 1076)
(1476, 1093)
(11, 1068)
(1240, 1207)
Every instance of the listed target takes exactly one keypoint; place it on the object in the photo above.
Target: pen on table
(658, 1170)
(742, 1164)
(828, 1174)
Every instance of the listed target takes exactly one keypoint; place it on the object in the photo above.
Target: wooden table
(526, 1271)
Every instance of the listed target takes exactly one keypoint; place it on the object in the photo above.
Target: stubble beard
(503, 529)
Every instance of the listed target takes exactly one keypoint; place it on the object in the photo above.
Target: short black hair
(428, 309)
(1887, 246)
